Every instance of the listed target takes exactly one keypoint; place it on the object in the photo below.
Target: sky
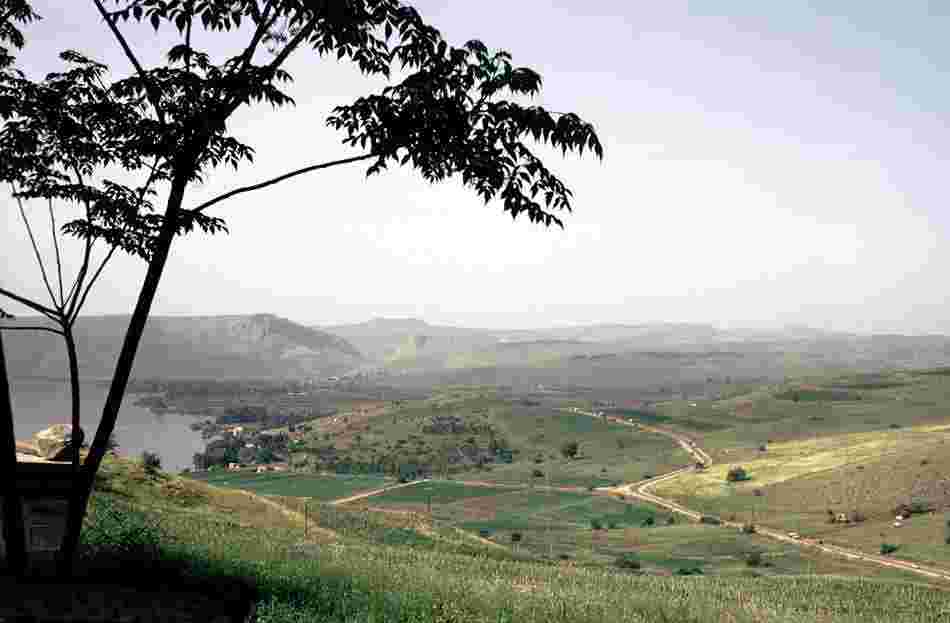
(765, 164)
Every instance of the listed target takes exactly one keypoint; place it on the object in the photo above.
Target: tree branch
(262, 28)
(153, 95)
(82, 299)
(32, 328)
(36, 250)
(59, 264)
(84, 267)
(46, 311)
(280, 178)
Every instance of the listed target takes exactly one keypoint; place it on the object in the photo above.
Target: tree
(569, 449)
(447, 118)
(151, 462)
(737, 474)
(264, 456)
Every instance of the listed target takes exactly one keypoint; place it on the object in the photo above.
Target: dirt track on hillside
(642, 490)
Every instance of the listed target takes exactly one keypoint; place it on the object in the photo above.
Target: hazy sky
(766, 163)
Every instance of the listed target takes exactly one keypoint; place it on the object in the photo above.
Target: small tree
(151, 461)
(888, 548)
(446, 117)
(628, 561)
(569, 449)
(737, 474)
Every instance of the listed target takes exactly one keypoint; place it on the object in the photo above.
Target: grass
(399, 573)
(439, 492)
(368, 581)
(296, 485)
(867, 456)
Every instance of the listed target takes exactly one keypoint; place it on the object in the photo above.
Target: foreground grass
(357, 580)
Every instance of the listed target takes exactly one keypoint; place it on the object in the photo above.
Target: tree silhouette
(447, 119)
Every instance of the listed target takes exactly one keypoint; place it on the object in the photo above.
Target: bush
(754, 559)
(737, 474)
(537, 473)
(689, 571)
(709, 519)
(612, 524)
(748, 528)
(888, 548)
(648, 522)
(671, 520)
(628, 560)
(595, 524)
(115, 529)
(516, 537)
(151, 462)
(569, 449)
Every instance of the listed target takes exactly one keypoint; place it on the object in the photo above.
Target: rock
(26, 447)
(55, 443)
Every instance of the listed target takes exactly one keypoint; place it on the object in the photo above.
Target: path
(642, 490)
(369, 494)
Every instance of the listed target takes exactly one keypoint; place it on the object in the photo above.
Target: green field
(324, 488)
(438, 492)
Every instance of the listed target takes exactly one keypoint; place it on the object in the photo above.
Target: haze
(772, 165)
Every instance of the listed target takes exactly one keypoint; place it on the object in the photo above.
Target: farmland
(295, 485)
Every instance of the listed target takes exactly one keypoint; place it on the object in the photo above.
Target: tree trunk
(123, 370)
(13, 526)
(75, 494)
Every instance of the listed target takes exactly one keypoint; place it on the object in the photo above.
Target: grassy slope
(215, 532)
(870, 455)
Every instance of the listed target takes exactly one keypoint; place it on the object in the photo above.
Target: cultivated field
(323, 488)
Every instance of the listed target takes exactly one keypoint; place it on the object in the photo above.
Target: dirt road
(642, 490)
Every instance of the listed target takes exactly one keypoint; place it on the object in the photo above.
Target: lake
(38, 404)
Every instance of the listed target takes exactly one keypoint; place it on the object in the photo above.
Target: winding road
(642, 490)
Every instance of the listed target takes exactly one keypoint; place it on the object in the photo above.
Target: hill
(361, 569)
(259, 346)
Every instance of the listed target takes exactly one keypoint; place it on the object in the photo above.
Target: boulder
(55, 443)
(26, 447)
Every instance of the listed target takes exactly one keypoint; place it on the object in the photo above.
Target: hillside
(258, 346)
(364, 569)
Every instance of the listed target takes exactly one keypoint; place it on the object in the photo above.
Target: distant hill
(256, 346)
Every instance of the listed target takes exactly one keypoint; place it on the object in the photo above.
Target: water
(39, 404)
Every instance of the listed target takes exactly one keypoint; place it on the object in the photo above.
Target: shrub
(748, 528)
(763, 447)
(709, 519)
(569, 449)
(537, 473)
(516, 537)
(671, 520)
(151, 462)
(612, 524)
(564, 556)
(648, 522)
(888, 548)
(737, 474)
(689, 571)
(595, 524)
(627, 560)
(894, 426)
(116, 530)
(754, 559)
